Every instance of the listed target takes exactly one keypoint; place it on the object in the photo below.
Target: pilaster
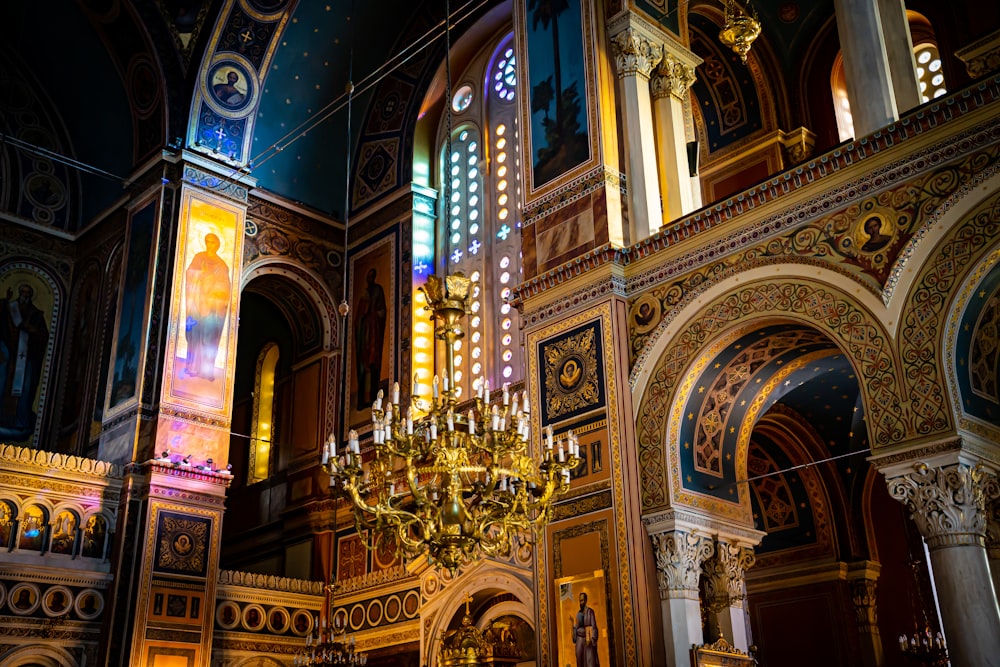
(165, 565)
(637, 51)
(863, 578)
(947, 499)
(174, 343)
(671, 80)
(679, 557)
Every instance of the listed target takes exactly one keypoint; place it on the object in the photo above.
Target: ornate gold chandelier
(740, 30)
(447, 480)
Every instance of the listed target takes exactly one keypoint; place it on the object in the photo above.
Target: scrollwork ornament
(679, 556)
(948, 504)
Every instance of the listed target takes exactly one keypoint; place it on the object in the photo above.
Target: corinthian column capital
(724, 575)
(948, 503)
(635, 54)
(679, 556)
(671, 77)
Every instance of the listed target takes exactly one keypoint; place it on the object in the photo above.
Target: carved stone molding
(982, 56)
(679, 558)
(948, 503)
(671, 77)
(866, 612)
(635, 54)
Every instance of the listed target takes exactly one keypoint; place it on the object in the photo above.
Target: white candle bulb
(378, 400)
(451, 421)
(548, 437)
(486, 396)
(395, 393)
(416, 386)
(434, 429)
(506, 394)
(472, 422)
(444, 383)
(435, 386)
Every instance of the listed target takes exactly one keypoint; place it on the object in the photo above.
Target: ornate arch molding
(973, 319)
(930, 318)
(855, 330)
(487, 575)
(309, 284)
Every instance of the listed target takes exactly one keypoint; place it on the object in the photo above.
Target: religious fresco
(557, 83)
(28, 316)
(582, 620)
(201, 344)
(371, 327)
(182, 544)
(128, 343)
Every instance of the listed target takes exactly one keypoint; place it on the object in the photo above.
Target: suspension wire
(794, 468)
(364, 85)
(72, 163)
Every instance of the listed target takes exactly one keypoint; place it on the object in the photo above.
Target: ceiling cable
(72, 163)
(792, 468)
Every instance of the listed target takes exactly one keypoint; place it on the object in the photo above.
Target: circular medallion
(89, 604)
(24, 599)
(253, 617)
(645, 313)
(227, 615)
(357, 617)
(302, 622)
(393, 607)
(411, 604)
(57, 601)
(278, 620)
(230, 86)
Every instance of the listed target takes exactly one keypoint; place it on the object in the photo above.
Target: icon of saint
(227, 92)
(876, 239)
(207, 295)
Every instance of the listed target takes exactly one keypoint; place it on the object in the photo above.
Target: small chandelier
(456, 482)
(328, 643)
(740, 30)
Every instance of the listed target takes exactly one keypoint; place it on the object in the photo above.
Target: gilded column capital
(635, 54)
(679, 557)
(671, 77)
(724, 575)
(947, 503)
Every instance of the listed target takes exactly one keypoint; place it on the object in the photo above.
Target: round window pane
(462, 99)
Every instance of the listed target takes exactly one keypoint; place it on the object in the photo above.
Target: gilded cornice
(349, 589)
(270, 582)
(34, 461)
(55, 575)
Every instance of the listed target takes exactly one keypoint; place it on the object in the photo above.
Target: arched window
(262, 433)
(478, 228)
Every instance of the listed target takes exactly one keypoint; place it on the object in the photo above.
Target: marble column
(866, 65)
(670, 83)
(636, 54)
(725, 591)
(948, 504)
(863, 578)
(679, 557)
